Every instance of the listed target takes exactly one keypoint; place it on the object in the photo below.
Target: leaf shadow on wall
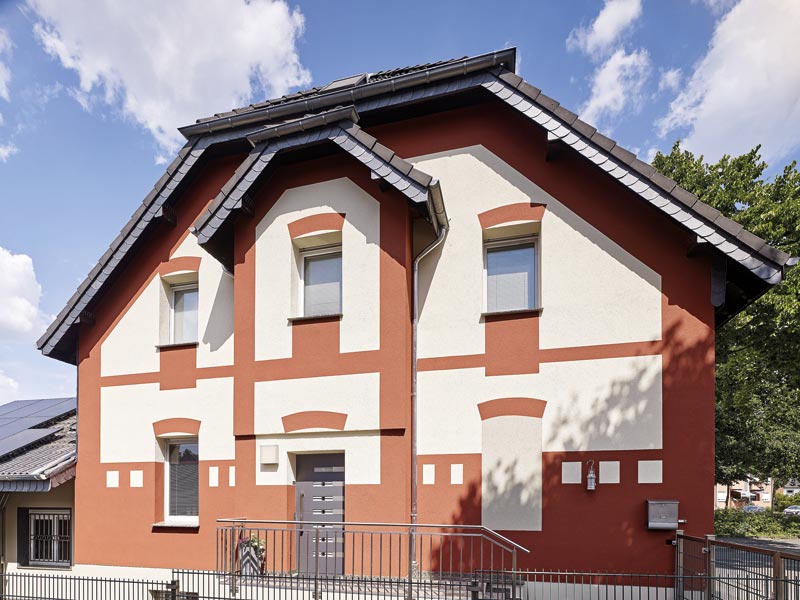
(606, 513)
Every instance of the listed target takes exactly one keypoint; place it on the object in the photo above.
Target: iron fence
(736, 571)
(53, 586)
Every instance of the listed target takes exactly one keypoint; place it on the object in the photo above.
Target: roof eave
(506, 58)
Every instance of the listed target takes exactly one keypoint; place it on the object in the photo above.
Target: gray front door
(319, 498)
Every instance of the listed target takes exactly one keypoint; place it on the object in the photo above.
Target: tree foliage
(758, 351)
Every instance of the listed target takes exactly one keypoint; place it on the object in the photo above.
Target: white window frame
(180, 287)
(525, 240)
(191, 520)
(318, 251)
(62, 562)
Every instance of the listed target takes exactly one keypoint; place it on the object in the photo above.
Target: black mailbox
(662, 514)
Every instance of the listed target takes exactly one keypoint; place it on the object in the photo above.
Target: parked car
(752, 508)
(794, 510)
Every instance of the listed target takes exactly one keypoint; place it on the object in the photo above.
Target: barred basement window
(49, 538)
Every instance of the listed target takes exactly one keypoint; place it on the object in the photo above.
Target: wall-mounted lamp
(591, 477)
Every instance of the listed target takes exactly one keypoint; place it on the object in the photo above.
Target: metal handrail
(481, 528)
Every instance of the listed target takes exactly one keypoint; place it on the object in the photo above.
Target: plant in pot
(251, 555)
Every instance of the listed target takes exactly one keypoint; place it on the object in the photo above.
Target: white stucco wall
(357, 396)
(362, 455)
(277, 274)
(131, 345)
(593, 292)
(511, 473)
(127, 414)
(604, 404)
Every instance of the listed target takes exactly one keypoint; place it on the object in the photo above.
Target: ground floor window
(182, 480)
(46, 536)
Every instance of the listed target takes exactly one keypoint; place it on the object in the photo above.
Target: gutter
(441, 226)
(317, 102)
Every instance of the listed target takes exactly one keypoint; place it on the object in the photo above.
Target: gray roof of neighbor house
(750, 266)
(38, 444)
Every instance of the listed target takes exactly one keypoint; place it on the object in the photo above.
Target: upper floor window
(322, 282)
(182, 479)
(184, 313)
(511, 275)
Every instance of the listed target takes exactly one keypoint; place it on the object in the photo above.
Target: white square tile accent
(571, 472)
(213, 476)
(650, 471)
(609, 471)
(428, 474)
(457, 474)
(112, 479)
(232, 476)
(137, 479)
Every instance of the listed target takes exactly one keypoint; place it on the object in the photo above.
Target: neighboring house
(253, 326)
(38, 455)
(740, 493)
(792, 487)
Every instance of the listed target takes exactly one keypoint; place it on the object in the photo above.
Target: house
(253, 329)
(37, 469)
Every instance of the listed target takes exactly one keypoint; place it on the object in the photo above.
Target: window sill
(520, 312)
(160, 347)
(329, 317)
(177, 525)
(48, 567)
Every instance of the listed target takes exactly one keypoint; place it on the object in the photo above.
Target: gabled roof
(755, 266)
(337, 126)
(38, 444)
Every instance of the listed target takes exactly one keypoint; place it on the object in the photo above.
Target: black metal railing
(735, 571)
(52, 586)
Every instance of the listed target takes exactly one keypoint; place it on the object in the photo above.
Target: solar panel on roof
(23, 438)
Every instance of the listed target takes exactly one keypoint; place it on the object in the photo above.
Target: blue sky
(90, 105)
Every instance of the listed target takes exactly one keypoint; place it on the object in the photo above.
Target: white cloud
(5, 72)
(717, 6)
(20, 317)
(609, 25)
(8, 388)
(746, 89)
(670, 80)
(616, 86)
(7, 150)
(166, 63)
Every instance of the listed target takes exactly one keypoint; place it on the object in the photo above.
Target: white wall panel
(356, 395)
(593, 292)
(277, 274)
(127, 414)
(604, 404)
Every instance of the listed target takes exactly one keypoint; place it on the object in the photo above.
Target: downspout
(441, 227)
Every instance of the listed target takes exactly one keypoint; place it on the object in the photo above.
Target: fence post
(173, 588)
(411, 553)
(679, 563)
(778, 583)
(711, 565)
(316, 564)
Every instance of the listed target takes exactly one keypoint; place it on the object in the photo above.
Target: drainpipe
(441, 227)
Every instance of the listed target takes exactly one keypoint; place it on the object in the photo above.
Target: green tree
(758, 351)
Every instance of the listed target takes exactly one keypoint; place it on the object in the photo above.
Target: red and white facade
(615, 365)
